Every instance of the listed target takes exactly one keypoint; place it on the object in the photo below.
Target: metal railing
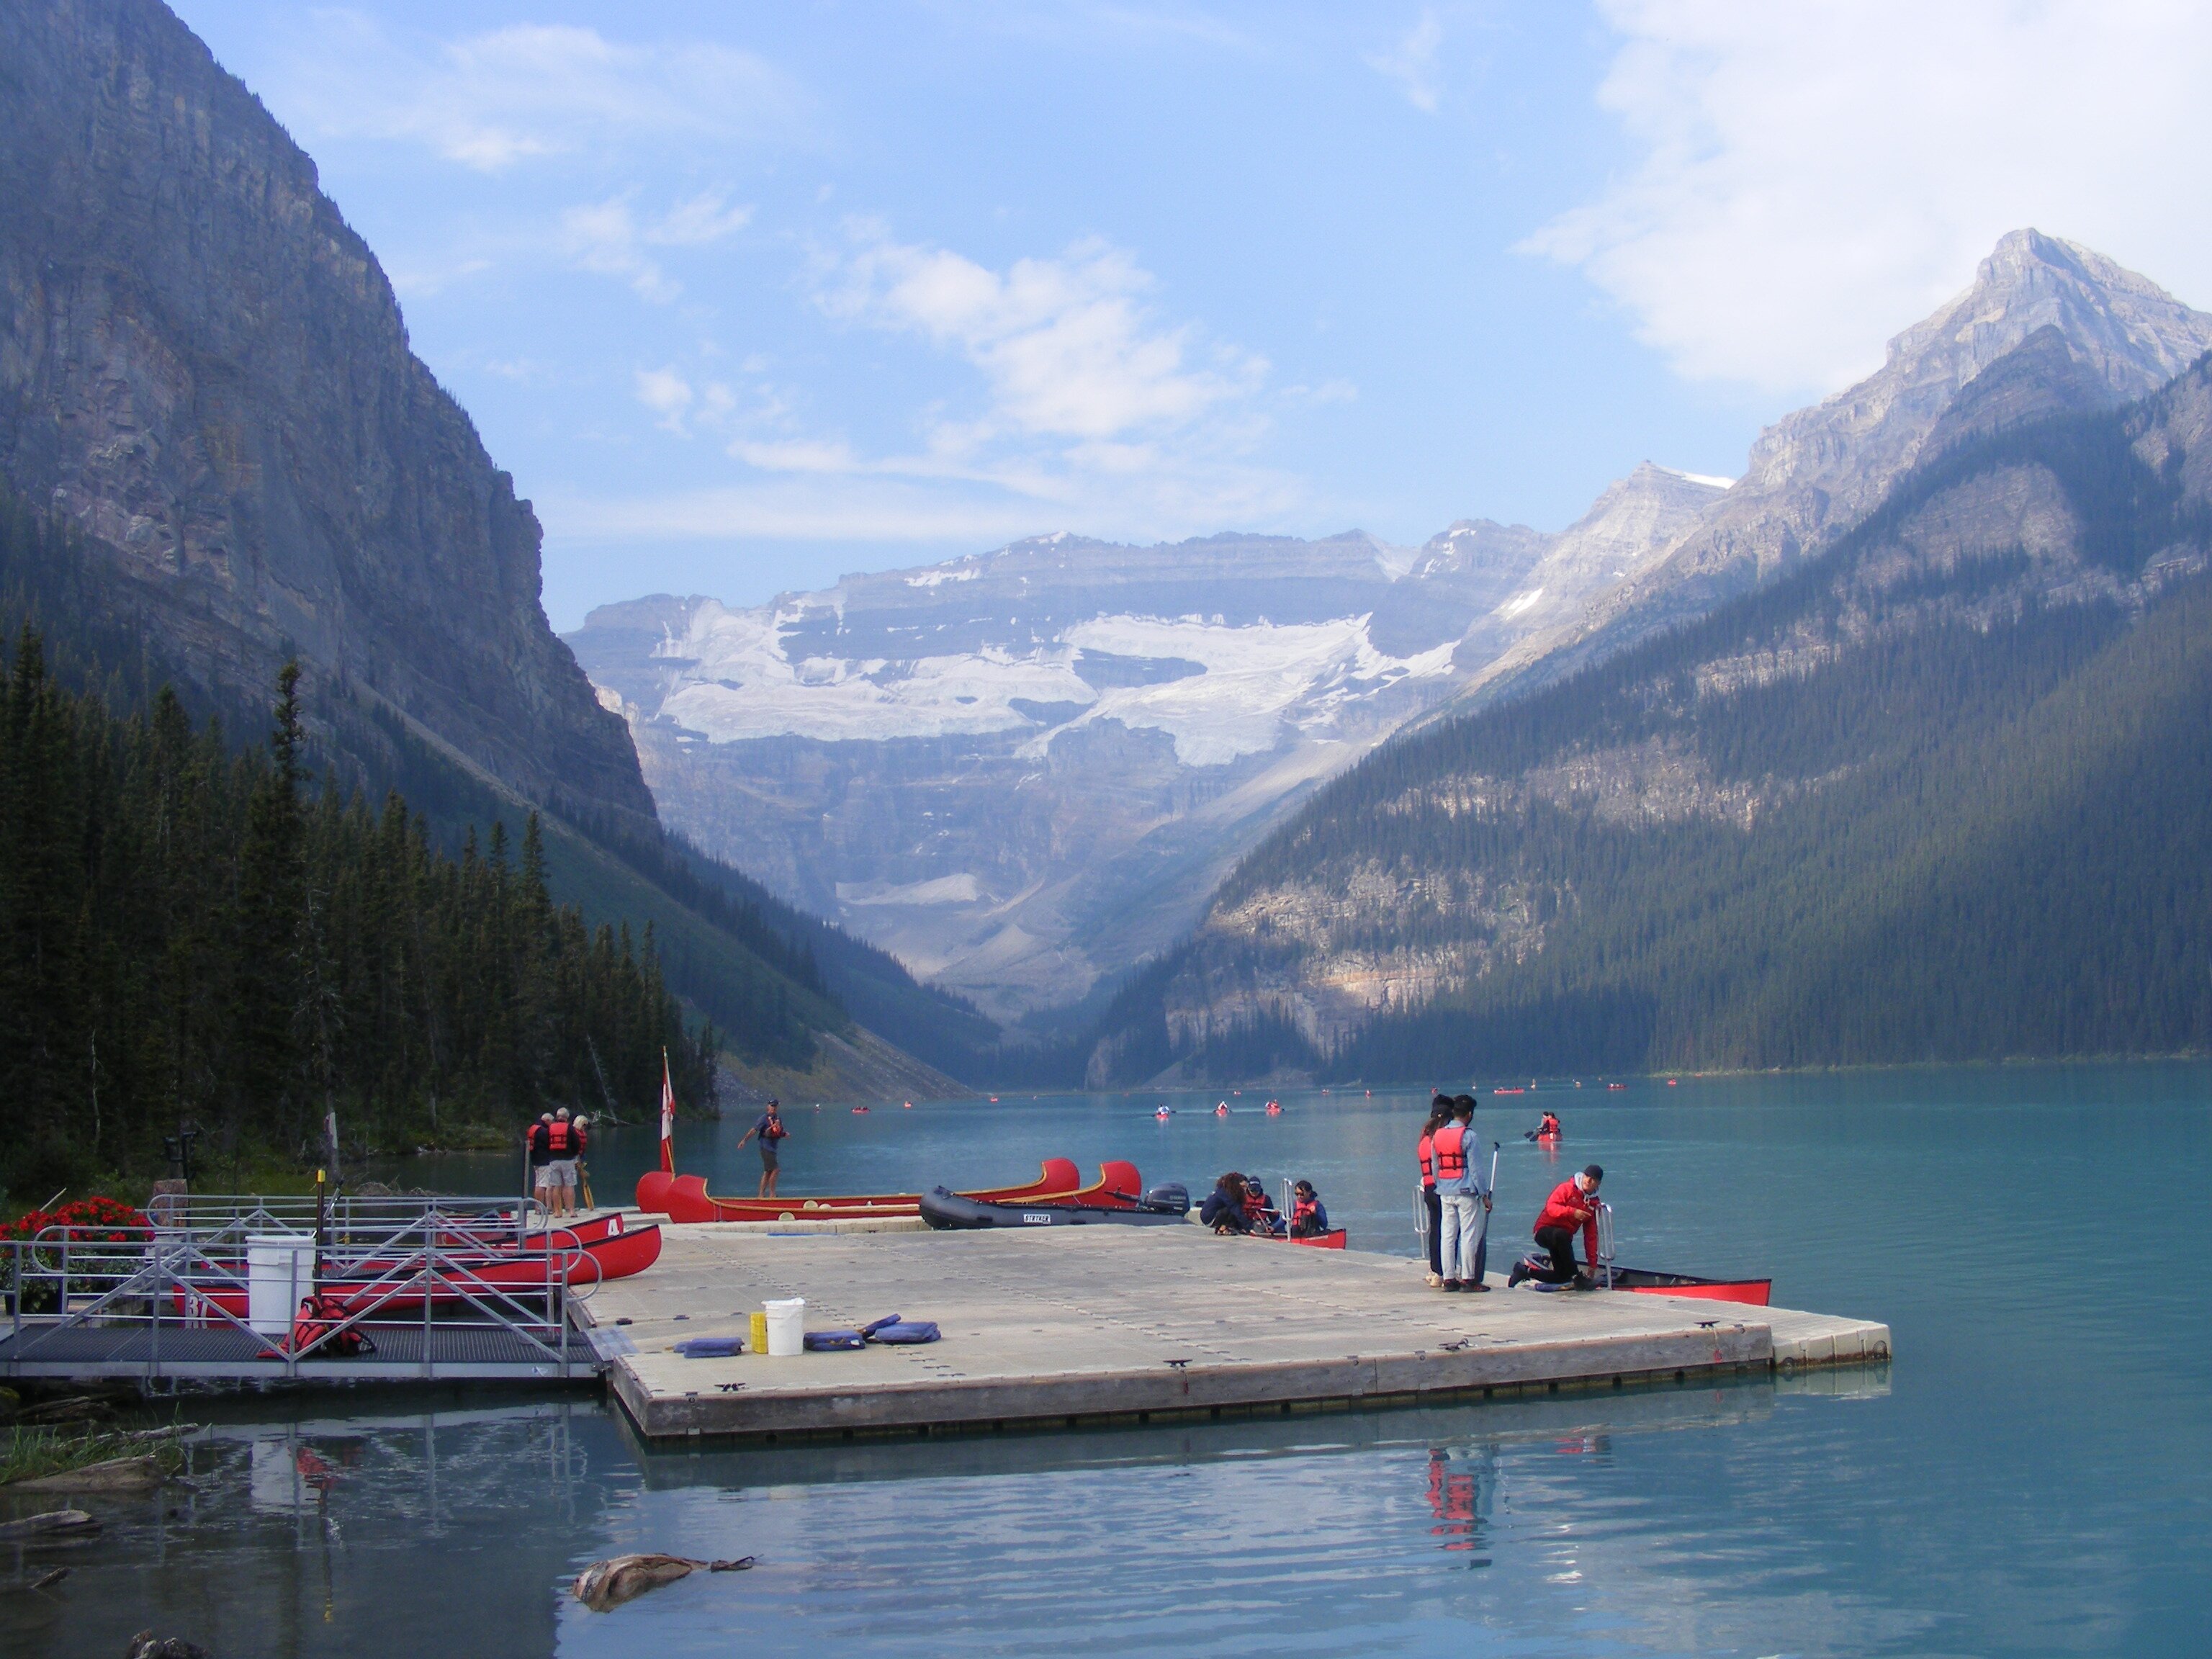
(443, 1266)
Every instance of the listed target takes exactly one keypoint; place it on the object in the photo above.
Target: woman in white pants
(1463, 1199)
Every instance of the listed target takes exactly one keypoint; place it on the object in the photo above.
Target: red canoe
(582, 1256)
(1648, 1282)
(685, 1198)
(1328, 1240)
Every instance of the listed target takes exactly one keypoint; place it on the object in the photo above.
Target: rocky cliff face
(205, 369)
(1815, 472)
(1025, 769)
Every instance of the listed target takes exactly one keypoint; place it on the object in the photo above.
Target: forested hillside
(1942, 793)
(193, 933)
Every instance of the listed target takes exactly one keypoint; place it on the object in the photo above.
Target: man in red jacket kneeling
(1572, 1208)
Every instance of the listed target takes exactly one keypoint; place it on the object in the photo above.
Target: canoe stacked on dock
(685, 1198)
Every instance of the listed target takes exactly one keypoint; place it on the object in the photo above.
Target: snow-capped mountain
(1022, 769)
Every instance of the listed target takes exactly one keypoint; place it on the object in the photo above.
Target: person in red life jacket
(1463, 1199)
(1308, 1215)
(540, 1154)
(1572, 1208)
(1259, 1216)
(1548, 1129)
(771, 1135)
(561, 1146)
(1432, 1209)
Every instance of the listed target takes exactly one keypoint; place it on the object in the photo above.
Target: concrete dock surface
(1069, 1326)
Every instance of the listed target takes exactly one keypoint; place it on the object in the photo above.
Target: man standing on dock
(541, 1153)
(770, 1130)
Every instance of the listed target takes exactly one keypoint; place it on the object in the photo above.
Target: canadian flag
(667, 1118)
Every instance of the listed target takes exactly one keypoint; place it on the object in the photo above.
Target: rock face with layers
(1815, 473)
(203, 369)
(1023, 769)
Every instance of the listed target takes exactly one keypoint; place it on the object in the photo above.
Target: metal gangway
(211, 1288)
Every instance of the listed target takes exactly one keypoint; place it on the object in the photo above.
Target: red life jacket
(560, 1138)
(309, 1328)
(1302, 1212)
(1450, 1151)
(1427, 1154)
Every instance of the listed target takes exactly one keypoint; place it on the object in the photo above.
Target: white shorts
(560, 1175)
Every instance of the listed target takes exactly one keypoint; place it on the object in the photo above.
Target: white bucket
(787, 1327)
(280, 1269)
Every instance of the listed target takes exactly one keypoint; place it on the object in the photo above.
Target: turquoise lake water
(2032, 1475)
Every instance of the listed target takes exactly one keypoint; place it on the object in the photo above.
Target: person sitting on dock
(1572, 1208)
(1308, 1215)
(1224, 1209)
(771, 1132)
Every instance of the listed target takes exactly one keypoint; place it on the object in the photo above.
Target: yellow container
(759, 1343)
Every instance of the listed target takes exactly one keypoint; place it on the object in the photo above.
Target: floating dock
(1065, 1327)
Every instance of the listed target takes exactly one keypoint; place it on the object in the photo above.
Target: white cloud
(1813, 177)
(606, 237)
(1412, 63)
(667, 394)
(706, 217)
(491, 100)
(1066, 345)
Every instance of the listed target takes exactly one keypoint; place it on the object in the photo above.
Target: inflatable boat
(685, 1198)
(582, 1257)
(957, 1211)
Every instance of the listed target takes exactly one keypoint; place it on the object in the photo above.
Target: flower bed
(104, 1237)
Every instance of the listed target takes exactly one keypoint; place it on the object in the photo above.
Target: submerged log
(140, 1474)
(54, 1523)
(609, 1584)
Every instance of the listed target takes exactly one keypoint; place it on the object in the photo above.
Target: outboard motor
(1174, 1198)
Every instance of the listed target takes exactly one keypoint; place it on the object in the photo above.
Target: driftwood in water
(141, 1474)
(54, 1523)
(610, 1583)
(146, 1645)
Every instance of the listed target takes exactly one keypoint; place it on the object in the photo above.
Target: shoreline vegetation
(198, 939)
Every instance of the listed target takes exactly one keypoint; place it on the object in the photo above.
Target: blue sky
(748, 296)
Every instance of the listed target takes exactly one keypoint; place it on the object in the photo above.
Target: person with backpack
(771, 1135)
(1463, 1199)
(562, 1145)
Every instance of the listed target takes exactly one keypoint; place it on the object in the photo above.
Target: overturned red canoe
(685, 1198)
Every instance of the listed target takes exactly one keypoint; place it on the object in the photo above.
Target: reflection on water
(2029, 1478)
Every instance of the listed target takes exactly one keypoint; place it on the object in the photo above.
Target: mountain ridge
(1796, 831)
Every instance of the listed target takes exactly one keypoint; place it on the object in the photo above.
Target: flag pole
(667, 1118)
